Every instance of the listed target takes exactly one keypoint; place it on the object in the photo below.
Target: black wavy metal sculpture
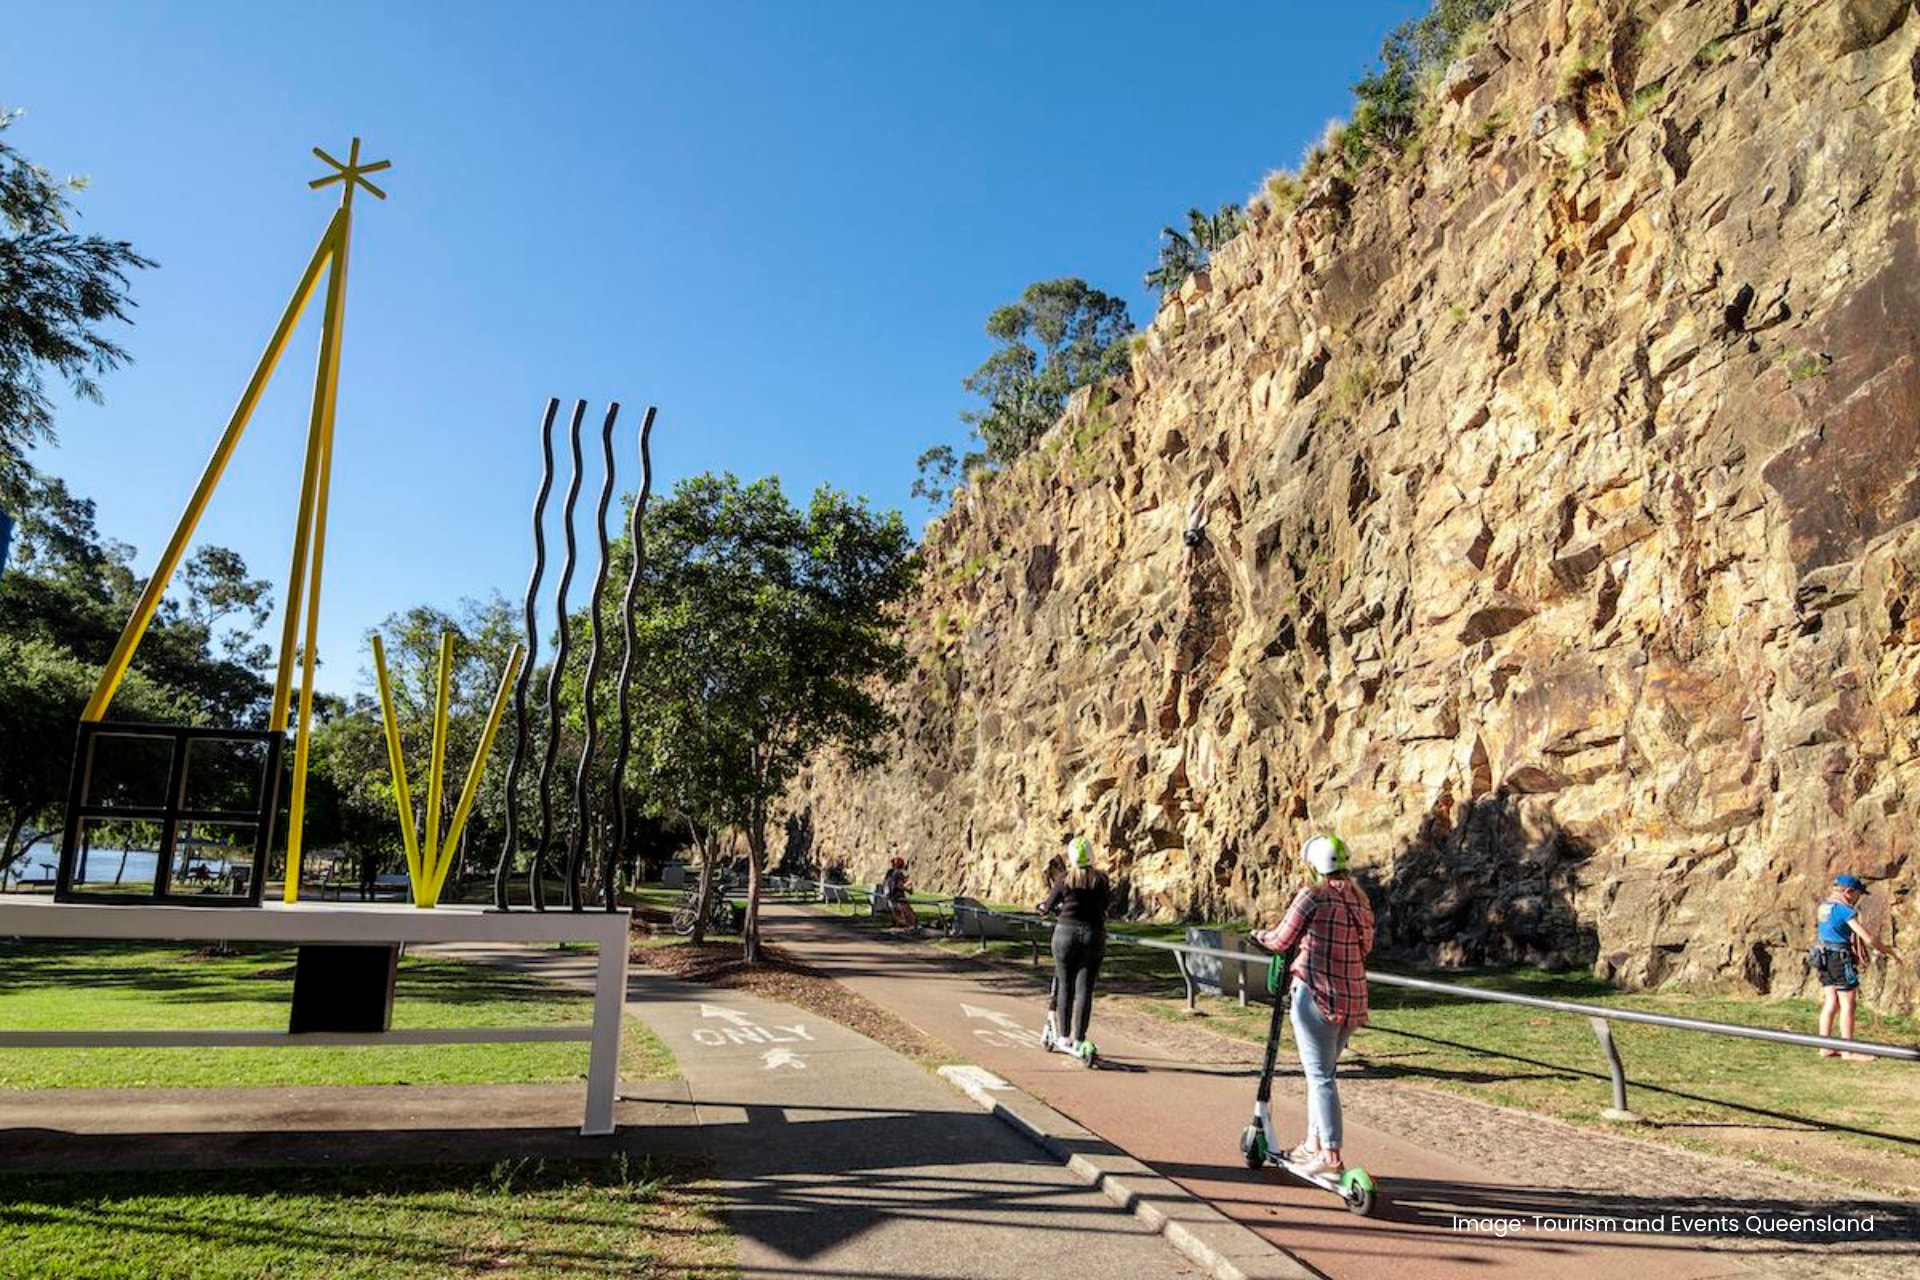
(577, 853)
(503, 871)
(616, 853)
(544, 843)
(536, 887)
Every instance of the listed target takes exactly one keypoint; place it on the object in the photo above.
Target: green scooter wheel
(1356, 1188)
(1253, 1146)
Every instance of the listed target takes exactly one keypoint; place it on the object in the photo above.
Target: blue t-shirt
(1834, 916)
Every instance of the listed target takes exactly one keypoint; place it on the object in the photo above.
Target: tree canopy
(767, 634)
(1060, 336)
(1387, 99)
(57, 289)
(61, 609)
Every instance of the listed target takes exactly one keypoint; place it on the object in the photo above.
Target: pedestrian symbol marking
(776, 1058)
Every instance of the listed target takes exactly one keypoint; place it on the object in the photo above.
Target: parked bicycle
(720, 913)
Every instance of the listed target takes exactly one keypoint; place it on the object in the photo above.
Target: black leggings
(1077, 951)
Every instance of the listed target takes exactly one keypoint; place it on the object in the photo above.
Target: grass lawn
(523, 1218)
(138, 986)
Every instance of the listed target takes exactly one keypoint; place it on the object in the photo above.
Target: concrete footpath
(839, 1157)
(1468, 1190)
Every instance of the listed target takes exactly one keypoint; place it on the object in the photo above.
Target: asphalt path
(1182, 1115)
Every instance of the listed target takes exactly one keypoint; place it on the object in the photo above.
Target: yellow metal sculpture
(310, 529)
(428, 863)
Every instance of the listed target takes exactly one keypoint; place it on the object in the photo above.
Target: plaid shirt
(1333, 925)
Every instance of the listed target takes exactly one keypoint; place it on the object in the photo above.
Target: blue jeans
(1320, 1043)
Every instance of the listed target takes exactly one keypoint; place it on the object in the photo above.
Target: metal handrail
(1599, 1017)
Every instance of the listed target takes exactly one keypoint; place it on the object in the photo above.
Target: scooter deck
(1325, 1181)
(1354, 1185)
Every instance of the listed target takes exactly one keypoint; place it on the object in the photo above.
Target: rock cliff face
(1558, 520)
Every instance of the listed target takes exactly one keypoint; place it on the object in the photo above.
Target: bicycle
(719, 912)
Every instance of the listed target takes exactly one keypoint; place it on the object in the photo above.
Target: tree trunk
(705, 847)
(7, 851)
(756, 859)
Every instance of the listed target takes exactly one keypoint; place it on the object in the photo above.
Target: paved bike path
(1181, 1114)
(839, 1157)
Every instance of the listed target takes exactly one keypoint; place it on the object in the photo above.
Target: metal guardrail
(1599, 1017)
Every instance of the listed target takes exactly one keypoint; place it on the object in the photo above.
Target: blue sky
(782, 223)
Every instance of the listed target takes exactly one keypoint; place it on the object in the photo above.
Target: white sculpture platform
(352, 924)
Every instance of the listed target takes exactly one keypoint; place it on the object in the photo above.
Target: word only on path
(739, 1029)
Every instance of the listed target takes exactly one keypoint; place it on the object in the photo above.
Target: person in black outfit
(1080, 898)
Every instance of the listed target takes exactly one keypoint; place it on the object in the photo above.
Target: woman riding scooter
(1080, 898)
(1331, 924)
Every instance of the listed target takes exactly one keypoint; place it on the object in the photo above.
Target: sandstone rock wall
(1558, 486)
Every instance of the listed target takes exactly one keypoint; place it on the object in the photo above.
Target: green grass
(525, 1219)
(143, 986)
(1801, 365)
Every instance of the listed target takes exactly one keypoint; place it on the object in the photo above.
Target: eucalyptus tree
(768, 635)
(57, 290)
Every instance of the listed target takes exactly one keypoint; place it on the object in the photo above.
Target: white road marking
(975, 1011)
(783, 1058)
(740, 1030)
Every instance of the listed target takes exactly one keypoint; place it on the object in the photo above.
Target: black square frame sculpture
(169, 751)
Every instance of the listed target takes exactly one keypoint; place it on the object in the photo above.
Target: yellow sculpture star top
(350, 174)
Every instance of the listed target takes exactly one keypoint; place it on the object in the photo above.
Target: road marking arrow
(783, 1058)
(734, 1016)
(975, 1011)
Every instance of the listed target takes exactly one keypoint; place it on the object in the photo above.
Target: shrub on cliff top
(1387, 101)
(1181, 255)
(1391, 102)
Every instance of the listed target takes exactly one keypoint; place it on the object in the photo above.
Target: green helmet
(1080, 852)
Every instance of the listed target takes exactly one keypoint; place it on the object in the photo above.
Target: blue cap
(1851, 882)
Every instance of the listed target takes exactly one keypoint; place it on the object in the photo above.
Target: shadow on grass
(1561, 1072)
(246, 975)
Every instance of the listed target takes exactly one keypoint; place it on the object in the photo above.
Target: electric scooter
(1088, 1054)
(1257, 1142)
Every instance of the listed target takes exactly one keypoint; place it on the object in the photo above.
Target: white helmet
(1080, 852)
(1325, 854)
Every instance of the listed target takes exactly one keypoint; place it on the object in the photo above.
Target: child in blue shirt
(1837, 958)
